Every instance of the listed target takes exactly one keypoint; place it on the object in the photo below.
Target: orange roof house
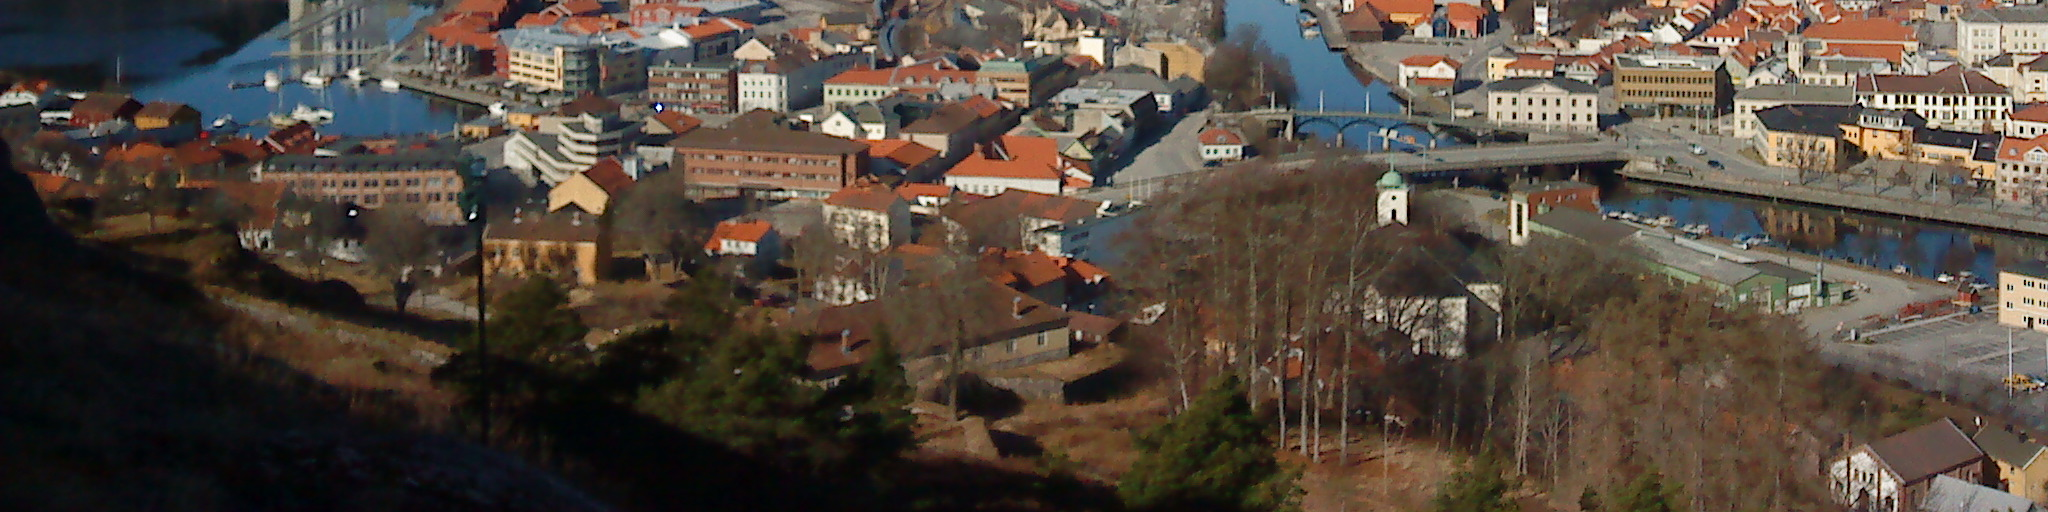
(1019, 162)
(592, 190)
(1405, 12)
(732, 238)
(1220, 137)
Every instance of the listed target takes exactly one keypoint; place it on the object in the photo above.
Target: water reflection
(327, 43)
(1322, 80)
(1925, 248)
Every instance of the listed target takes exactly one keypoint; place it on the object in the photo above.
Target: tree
(1647, 493)
(531, 323)
(1214, 456)
(1246, 74)
(743, 394)
(396, 241)
(871, 409)
(657, 218)
(1478, 488)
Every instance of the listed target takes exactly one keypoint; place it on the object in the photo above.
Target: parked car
(1697, 150)
(1715, 164)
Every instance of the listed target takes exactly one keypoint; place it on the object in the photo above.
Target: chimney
(1017, 307)
(846, 341)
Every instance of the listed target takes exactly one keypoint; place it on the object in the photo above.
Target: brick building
(695, 87)
(376, 174)
(758, 151)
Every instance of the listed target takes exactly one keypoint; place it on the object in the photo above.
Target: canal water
(1321, 78)
(176, 63)
(1924, 248)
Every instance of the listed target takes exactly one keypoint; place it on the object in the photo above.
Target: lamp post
(477, 220)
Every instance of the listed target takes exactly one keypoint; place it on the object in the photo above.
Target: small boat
(224, 121)
(272, 80)
(389, 84)
(1630, 216)
(1664, 221)
(355, 75)
(1311, 33)
(497, 109)
(1614, 214)
(313, 79)
(75, 96)
(1696, 230)
(1944, 278)
(1900, 269)
(312, 114)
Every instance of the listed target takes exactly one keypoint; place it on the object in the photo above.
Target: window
(1041, 339)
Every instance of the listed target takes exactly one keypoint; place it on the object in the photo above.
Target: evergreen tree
(531, 323)
(869, 411)
(1647, 493)
(1478, 488)
(744, 394)
(1214, 456)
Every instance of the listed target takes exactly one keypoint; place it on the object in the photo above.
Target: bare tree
(397, 242)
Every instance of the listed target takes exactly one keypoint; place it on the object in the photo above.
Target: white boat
(1944, 278)
(1311, 33)
(1613, 214)
(313, 79)
(224, 121)
(272, 80)
(312, 114)
(1664, 221)
(1900, 269)
(497, 109)
(55, 116)
(389, 84)
(355, 75)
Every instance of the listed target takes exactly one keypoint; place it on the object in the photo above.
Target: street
(1176, 152)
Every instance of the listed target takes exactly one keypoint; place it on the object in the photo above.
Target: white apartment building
(1952, 99)
(1546, 103)
(1986, 33)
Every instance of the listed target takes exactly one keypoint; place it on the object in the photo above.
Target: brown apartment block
(1672, 85)
(697, 88)
(758, 152)
(377, 175)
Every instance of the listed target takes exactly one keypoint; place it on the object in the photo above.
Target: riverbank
(1960, 215)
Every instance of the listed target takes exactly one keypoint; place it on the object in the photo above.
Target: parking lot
(1963, 357)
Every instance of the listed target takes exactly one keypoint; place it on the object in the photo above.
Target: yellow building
(592, 190)
(2023, 291)
(1882, 134)
(2021, 469)
(574, 247)
(1973, 152)
(1181, 60)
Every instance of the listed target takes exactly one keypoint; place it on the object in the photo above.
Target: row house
(758, 151)
(1953, 98)
(933, 77)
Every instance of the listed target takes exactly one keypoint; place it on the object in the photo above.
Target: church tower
(1393, 200)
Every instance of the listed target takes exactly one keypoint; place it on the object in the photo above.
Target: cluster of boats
(1309, 30)
(354, 77)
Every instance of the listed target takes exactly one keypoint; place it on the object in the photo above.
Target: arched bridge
(1341, 120)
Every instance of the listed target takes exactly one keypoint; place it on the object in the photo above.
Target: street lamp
(477, 219)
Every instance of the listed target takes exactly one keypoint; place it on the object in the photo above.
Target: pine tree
(1216, 455)
(532, 324)
(868, 414)
(744, 394)
(1478, 488)
(1647, 493)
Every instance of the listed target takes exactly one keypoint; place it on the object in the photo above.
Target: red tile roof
(677, 122)
(1870, 29)
(927, 74)
(2016, 149)
(592, 24)
(1014, 156)
(1533, 62)
(751, 231)
(1423, 61)
(2037, 113)
(1220, 136)
(1411, 7)
(863, 197)
(197, 152)
(575, 7)
(1457, 12)
(906, 153)
(491, 7)
(51, 186)
(982, 106)
(715, 27)
(912, 191)
(609, 176)
(1888, 52)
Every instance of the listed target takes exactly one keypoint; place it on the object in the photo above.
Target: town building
(2025, 75)
(1018, 162)
(1171, 100)
(557, 58)
(1528, 199)
(701, 87)
(1803, 137)
(1742, 121)
(101, 107)
(1975, 152)
(1672, 85)
(1544, 103)
(377, 174)
(2019, 461)
(758, 151)
(571, 138)
(1893, 474)
(868, 217)
(593, 190)
(1059, 225)
(2023, 171)
(934, 77)
(1872, 37)
(1951, 99)
(1019, 331)
(1949, 494)
(2027, 123)
(571, 246)
(863, 121)
(784, 75)
(909, 160)
(743, 238)
(954, 128)
(1429, 71)
(1221, 145)
(1985, 33)
(2024, 290)
(1028, 81)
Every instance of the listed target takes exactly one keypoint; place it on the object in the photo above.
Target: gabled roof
(1862, 29)
(163, 109)
(588, 103)
(1954, 80)
(1951, 494)
(1220, 136)
(1818, 120)
(912, 191)
(748, 231)
(1013, 156)
(864, 197)
(677, 122)
(104, 103)
(1533, 62)
(1021, 269)
(903, 152)
(1886, 52)
(1414, 7)
(609, 176)
(2037, 113)
(2016, 149)
(1522, 84)
(2008, 447)
(259, 198)
(1036, 205)
(1926, 451)
(1423, 61)
(759, 131)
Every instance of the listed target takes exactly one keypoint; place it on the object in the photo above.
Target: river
(1321, 78)
(191, 61)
